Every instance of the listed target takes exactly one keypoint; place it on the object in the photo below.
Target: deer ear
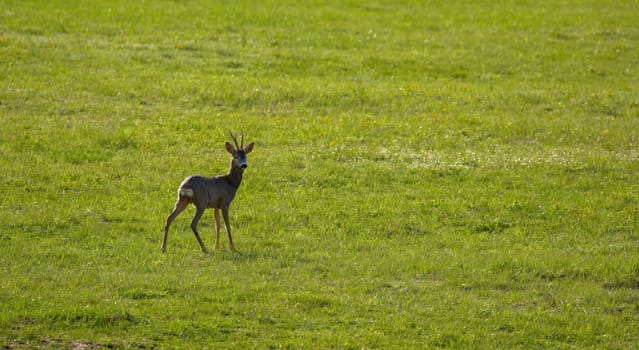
(249, 148)
(229, 148)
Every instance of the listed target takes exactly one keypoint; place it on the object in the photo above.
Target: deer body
(211, 192)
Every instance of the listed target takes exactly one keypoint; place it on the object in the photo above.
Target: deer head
(239, 152)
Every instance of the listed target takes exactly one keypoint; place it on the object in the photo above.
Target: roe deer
(212, 192)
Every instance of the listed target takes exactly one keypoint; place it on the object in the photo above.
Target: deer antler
(235, 140)
(242, 142)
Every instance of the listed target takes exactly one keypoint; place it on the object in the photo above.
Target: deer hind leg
(217, 229)
(180, 205)
(196, 219)
(225, 214)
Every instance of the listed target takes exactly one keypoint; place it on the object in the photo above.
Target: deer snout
(244, 166)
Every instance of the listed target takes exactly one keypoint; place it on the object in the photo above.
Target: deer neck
(234, 176)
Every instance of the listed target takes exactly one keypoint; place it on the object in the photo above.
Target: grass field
(427, 174)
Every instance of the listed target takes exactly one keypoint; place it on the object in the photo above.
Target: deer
(212, 192)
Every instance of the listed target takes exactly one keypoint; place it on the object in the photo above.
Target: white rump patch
(185, 192)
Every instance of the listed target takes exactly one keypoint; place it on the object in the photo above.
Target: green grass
(427, 174)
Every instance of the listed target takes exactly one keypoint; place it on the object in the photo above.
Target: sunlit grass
(435, 175)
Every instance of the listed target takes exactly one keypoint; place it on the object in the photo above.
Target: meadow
(427, 174)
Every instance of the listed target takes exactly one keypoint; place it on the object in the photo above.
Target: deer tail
(185, 192)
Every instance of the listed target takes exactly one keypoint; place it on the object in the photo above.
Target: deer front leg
(217, 229)
(225, 214)
(196, 219)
